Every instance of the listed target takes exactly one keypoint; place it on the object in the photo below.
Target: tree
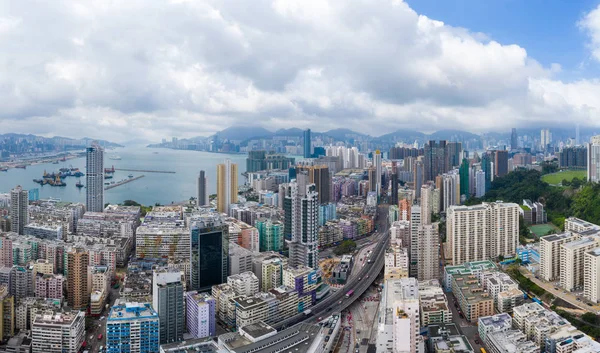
(345, 247)
(590, 318)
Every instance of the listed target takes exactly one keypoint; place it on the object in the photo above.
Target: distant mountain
(342, 134)
(242, 133)
(406, 136)
(138, 142)
(289, 132)
(453, 135)
(74, 142)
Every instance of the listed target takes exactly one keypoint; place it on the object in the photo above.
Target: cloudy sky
(123, 70)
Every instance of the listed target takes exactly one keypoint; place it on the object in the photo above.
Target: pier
(146, 171)
(122, 182)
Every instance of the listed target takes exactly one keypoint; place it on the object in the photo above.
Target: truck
(350, 292)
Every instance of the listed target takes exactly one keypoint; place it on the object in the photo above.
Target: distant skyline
(131, 70)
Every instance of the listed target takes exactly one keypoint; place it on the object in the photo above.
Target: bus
(350, 292)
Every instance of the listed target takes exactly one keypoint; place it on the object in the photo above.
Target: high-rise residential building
(307, 144)
(261, 160)
(132, 327)
(433, 304)
(450, 189)
(394, 186)
(58, 332)
(464, 179)
(167, 300)
(591, 275)
(572, 264)
(429, 252)
(21, 282)
(271, 234)
(550, 254)
(94, 178)
(318, 175)
(454, 154)
(209, 253)
(426, 203)
(201, 313)
(399, 325)
(593, 159)
(7, 310)
(78, 294)
(303, 246)
(418, 176)
(415, 223)
(377, 164)
(227, 185)
(482, 232)
(500, 163)
(201, 197)
(480, 183)
(574, 157)
(19, 200)
(436, 160)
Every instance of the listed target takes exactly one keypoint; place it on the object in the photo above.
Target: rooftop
(555, 237)
(579, 243)
(468, 267)
(470, 289)
(63, 318)
(295, 339)
(512, 341)
(131, 310)
(496, 321)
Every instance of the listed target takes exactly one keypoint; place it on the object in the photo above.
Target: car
(555, 288)
(476, 341)
(320, 318)
(589, 304)
(328, 309)
(578, 299)
(101, 318)
(359, 278)
(367, 276)
(99, 336)
(340, 302)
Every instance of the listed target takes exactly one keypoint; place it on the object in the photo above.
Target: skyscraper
(94, 178)
(486, 166)
(201, 189)
(305, 225)
(436, 160)
(394, 187)
(593, 162)
(209, 252)
(513, 140)
(19, 200)
(464, 178)
(454, 154)
(377, 163)
(318, 175)
(227, 185)
(500, 163)
(78, 294)
(167, 300)
(545, 139)
(480, 183)
(307, 144)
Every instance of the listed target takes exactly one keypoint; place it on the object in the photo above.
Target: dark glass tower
(307, 143)
(209, 253)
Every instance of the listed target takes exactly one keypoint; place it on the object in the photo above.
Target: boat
(79, 184)
(21, 166)
(114, 158)
(3, 169)
(107, 176)
(112, 182)
(130, 175)
(55, 162)
(106, 183)
(78, 174)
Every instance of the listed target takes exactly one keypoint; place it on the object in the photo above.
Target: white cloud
(590, 23)
(186, 68)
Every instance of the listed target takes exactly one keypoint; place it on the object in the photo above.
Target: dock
(146, 171)
(122, 182)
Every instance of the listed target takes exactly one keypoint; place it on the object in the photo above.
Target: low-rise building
(245, 283)
(445, 338)
(476, 268)
(496, 323)
(433, 304)
(512, 341)
(473, 300)
(58, 332)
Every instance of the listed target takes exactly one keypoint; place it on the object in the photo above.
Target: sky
(128, 70)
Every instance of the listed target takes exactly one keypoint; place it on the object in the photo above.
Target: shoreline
(181, 149)
(5, 166)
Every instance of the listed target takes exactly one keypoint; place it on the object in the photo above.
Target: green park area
(543, 229)
(568, 175)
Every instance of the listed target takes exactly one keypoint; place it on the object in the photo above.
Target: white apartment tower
(482, 232)
(19, 200)
(304, 250)
(591, 275)
(94, 177)
(572, 262)
(593, 159)
(550, 254)
(429, 252)
(415, 223)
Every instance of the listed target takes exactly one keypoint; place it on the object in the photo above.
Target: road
(337, 301)
(99, 326)
(569, 297)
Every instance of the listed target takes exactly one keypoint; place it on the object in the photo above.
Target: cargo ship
(79, 184)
